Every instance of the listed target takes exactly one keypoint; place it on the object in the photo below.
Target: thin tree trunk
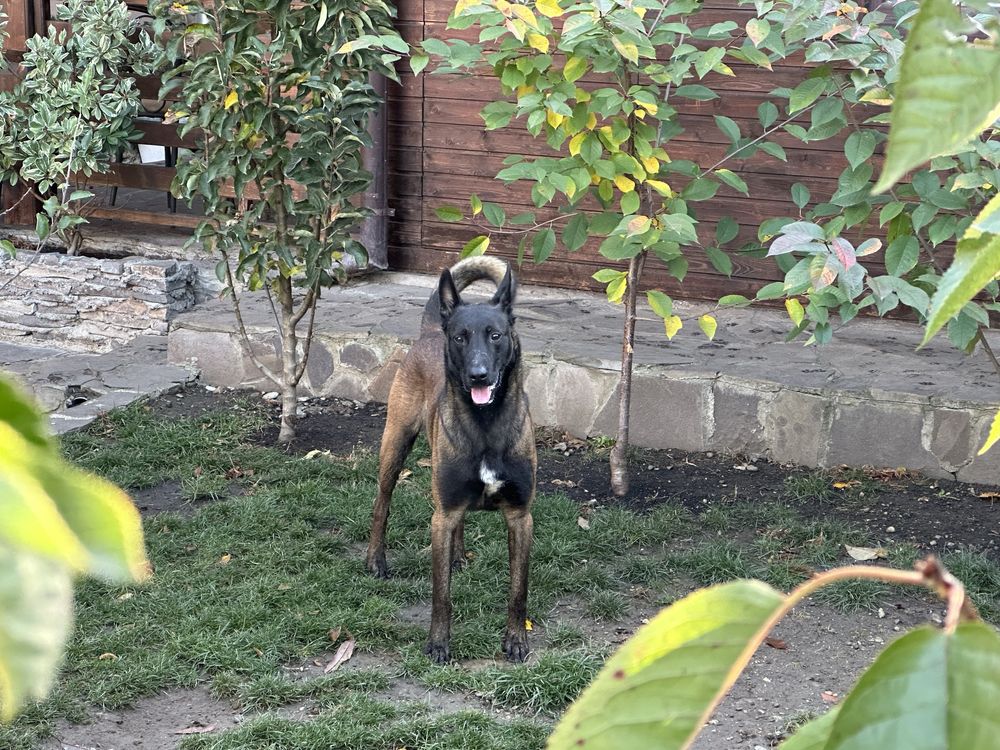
(289, 350)
(619, 453)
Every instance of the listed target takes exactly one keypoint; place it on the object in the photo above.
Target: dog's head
(480, 343)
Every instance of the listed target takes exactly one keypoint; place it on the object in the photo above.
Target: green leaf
(575, 233)
(948, 91)
(859, 147)
(630, 203)
(498, 114)
(476, 204)
(806, 93)
(662, 304)
(734, 300)
(988, 219)
(901, 255)
(976, 262)
(800, 195)
(774, 290)
(728, 127)
(494, 214)
(726, 230)
(706, 61)
(658, 688)
(890, 211)
(767, 113)
(323, 15)
(696, 91)
(42, 226)
(607, 275)
(757, 30)
(733, 180)
(678, 228)
(774, 149)
(17, 411)
(36, 612)
(448, 213)
(719, 260)
(418, 61)
(543, 244)
(929, 690)
(475, 246)
(700, 189)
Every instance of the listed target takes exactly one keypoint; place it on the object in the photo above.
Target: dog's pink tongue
(480, 394)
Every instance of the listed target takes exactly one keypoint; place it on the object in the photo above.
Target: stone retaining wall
(808, 427)
(89, 303)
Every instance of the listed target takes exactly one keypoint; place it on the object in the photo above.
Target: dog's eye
(495, 335)
(459, 339)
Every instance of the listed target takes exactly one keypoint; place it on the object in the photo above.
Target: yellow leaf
(651, 164)
(626, 49)
(539, 42)
(624, 184)
(581, 95)
(528, 625)
(551, 9)
(637, 225)
(672, 325)
(517, 27)
(575, 142)
(464, 5)
(553, 118)
(795, 311)
(648, 106)
(232, 99)
(661, 187)
(708, 325)
(525, 14)
(993, 436)
(595, 179)
(591, 121)
(525, 89)
(641, 114)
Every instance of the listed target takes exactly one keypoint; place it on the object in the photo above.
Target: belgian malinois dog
(462, 384)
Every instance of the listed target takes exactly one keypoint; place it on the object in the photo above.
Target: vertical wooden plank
(18, 22)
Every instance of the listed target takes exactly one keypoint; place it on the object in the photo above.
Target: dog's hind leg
(519, 530)
(401, 428)
(444, 524)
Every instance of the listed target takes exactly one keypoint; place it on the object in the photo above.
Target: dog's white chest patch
(489, 478)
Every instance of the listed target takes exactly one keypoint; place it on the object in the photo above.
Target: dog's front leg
(443, 526)
(519, 531)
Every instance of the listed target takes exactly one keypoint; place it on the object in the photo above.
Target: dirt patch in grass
(691, 519)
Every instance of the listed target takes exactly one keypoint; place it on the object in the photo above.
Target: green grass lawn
(255, 581)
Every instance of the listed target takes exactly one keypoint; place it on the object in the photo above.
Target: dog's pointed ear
(504, 298)
(448, 296)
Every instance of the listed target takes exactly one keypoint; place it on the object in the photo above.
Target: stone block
(737, 417)
(794, 427)
(878, 433)
(984, 469)
(319, 368)
(537, 382)
(346, 384)
(948, 435)
(214, 353)
(665, 412)
(575, 397)
(359, 357)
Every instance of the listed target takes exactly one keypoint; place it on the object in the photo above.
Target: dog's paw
(515, 646)
(378, 567)
(437, 652)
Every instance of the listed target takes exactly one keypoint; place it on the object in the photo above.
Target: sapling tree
(599, 79)
(277, 94)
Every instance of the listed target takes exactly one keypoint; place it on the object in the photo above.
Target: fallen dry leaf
(528, 625)
(776, 643)
(405, 474)
(198, 471)
(126, 596)
(224, 560)
(863, 554)
(988, 495)
(562, 482)
(845, 485)
(583, 523)
(424, 462)
(345, 652)
(829, 696)
(197, 729)
(334, 634)
(107, 655)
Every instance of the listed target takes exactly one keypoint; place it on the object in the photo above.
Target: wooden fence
(440, 154)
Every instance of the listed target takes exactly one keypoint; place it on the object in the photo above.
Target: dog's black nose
(477, 374)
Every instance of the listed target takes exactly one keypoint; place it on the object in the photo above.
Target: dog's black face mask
(479, 340)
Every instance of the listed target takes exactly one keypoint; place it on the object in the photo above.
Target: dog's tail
(464, 273)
